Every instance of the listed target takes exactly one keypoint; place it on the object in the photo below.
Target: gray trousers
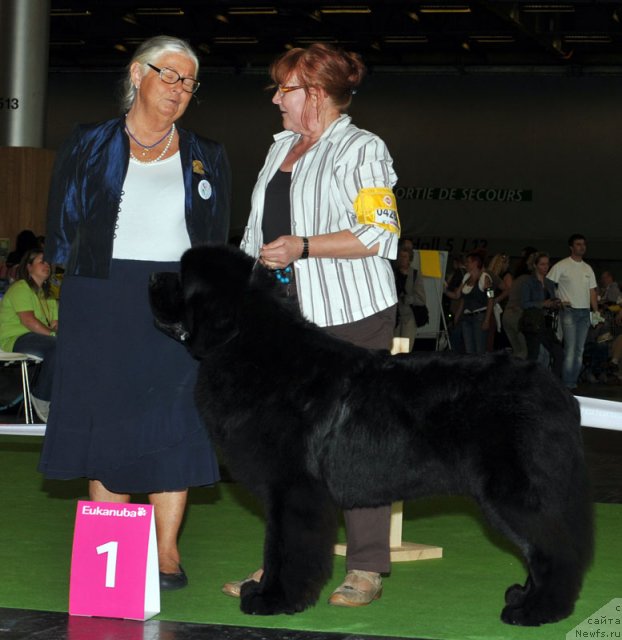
(510, 319)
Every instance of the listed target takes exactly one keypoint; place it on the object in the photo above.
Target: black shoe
(172, 581)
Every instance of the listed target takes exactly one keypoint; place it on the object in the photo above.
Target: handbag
(421, 313)
(531, 320)
(551, 319)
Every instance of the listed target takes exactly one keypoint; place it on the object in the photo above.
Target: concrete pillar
(24, 44)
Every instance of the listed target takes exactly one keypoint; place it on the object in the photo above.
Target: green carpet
(457, 597)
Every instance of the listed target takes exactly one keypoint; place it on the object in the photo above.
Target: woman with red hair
(324, 219)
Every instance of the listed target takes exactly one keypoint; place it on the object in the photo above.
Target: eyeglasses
(172, 77)
(283, 89)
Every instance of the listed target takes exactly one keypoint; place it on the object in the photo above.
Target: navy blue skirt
(122, 409)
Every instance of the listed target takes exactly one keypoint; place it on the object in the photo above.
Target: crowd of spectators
(553, 312)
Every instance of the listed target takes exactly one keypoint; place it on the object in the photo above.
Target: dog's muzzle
(167, 304)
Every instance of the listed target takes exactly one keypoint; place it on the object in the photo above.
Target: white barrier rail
(602, 414)
(22, 429)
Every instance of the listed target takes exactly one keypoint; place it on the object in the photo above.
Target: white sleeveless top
(151, 223)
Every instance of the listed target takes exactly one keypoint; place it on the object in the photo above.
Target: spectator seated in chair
(29, 321)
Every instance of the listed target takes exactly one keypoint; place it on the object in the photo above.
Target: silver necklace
(146, 147)
(166, 148)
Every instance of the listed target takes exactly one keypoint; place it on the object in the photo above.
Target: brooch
(197, 167)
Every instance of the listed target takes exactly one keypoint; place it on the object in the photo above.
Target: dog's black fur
(307, 421)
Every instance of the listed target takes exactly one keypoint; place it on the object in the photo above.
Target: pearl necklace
(166, 148)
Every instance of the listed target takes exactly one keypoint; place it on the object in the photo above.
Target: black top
(277, 211)
(400, 281)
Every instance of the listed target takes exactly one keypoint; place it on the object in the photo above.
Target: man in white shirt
(576, 287)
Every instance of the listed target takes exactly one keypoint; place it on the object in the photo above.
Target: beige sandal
(234, 588)
(359, 588)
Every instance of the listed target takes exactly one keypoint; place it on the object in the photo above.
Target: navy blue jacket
(86, 190)
(534, 294)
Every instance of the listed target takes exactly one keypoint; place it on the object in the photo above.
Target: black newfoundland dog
(307, 422)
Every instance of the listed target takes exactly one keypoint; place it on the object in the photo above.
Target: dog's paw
(515, 595)
(530, 616)
(265, 603)
(518, 616)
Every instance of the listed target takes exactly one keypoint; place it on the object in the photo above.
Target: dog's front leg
(298, 550)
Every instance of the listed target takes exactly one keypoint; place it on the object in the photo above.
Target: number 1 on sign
(110, 548)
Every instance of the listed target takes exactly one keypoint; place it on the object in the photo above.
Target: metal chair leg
(26, 393)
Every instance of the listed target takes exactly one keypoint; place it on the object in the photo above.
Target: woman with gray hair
(128, 197)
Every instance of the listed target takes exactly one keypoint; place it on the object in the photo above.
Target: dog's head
(200, 307)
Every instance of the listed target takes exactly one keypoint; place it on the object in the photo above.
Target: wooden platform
(401, 551)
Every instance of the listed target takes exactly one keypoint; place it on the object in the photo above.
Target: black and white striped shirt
(325, 184)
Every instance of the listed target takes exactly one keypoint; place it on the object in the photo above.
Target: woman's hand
(281, 252)
(28, 319)
(552, 303)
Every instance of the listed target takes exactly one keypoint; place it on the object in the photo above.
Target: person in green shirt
(29, 321)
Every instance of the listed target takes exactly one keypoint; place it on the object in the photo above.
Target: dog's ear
(214, 281)
(167, 304)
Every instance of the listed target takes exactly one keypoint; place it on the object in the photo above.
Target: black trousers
(549, 341)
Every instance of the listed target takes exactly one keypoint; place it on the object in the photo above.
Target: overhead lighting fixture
(584, 37)
(413, 16)
(160, 11)
(130, 17)
(493, 39)
(361, 8)
(405, 39)
(252, 11)
(547, 7)
(235, 40)
(445, 8)
(327, 40)
(312, 39)
(120, 47)
(222, 18)
(55, 13)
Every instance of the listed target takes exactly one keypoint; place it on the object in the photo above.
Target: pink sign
(114, 565)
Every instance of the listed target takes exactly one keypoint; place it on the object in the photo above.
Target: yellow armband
(376, 205)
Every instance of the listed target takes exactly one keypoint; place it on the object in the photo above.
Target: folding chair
(8, 357)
